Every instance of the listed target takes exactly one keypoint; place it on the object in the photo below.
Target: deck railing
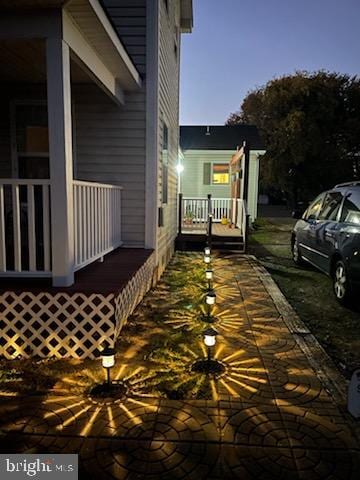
(97, 221)
(25, 227)
(194, 213)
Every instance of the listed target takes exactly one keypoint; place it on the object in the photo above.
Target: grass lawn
(309, 292)
(155, 351)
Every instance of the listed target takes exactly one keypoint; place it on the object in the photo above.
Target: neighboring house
(88, 148)
(207, 152)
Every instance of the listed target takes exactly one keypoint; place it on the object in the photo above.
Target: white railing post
(61, 162)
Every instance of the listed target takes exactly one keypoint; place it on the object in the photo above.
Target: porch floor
(109, 276)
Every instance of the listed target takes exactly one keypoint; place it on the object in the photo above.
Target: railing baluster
(31, 228)
(2, 231)
(16, 227)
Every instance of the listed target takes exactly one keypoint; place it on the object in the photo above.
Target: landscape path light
(210, 297)
(210, 340)
(108, 361)
(207, 259)
(209, 276)
(207, 251)
(210, 300)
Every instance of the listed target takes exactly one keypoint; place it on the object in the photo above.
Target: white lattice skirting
(66, 325)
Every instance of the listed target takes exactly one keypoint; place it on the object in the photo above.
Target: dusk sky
(237, 45)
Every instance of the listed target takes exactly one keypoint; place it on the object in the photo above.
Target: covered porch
(54, 220)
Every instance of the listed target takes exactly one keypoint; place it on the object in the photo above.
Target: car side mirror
(297, 214)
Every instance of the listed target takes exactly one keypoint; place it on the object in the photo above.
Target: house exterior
(207, 153)
(88, 150)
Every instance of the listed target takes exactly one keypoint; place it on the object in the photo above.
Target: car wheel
(340, 283)
(296, 255)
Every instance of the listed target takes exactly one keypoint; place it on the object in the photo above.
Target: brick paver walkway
(270, 417)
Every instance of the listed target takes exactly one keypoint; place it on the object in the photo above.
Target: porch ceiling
(84, 26)
(11, 4)
(91, 20)
(23, 61)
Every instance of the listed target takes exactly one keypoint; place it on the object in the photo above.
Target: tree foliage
(310, 124)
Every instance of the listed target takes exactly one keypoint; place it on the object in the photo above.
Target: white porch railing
(97, 221)
(25, 219)
(25, 227)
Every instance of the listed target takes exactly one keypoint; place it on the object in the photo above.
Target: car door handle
(329, 234)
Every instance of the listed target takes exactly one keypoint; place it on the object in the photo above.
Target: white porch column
(61, 161)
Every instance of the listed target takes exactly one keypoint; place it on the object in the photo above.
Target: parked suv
(328, 237)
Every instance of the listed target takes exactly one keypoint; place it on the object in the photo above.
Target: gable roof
(219, 137)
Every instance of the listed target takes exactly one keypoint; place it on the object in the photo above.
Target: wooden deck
(218, 230)
(109, 276)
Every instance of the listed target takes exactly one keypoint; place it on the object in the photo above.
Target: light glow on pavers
(73, 418)
(63, 409)
(90, 423)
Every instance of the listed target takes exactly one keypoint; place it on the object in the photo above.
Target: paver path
(270, 416)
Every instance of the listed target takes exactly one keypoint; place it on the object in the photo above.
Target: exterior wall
(26, 92)
(192, 182)
(110, 148)
(5, 142)
(168, 95)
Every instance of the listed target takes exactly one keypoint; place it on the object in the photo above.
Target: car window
(331, 206)
(314, 208)
(351, 208)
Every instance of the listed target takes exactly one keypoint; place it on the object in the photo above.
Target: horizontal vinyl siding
(110, 148)
(168, 113)
(192, 183)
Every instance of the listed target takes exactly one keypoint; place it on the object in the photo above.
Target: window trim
(214, 162)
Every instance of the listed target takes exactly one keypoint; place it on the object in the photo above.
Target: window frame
(212, 173)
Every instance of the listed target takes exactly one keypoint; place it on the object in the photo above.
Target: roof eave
(186, 16)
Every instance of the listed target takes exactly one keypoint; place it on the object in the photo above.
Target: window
(164, 176)
(351, 208)
(220, 173)
(313, 211)
(331, 206)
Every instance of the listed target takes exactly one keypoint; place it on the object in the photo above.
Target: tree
(310, 124)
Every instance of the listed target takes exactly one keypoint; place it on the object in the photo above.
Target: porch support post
(61, 161)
